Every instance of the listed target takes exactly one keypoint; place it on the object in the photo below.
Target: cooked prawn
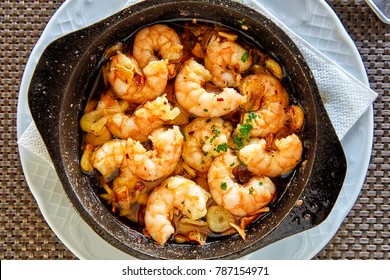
(196, 100)
(272, 163)
(125, 177)
(240, 200)
(128, 188)
(111, 103)
(226, 60)
(108, 157)
(268, 100)
(162, 160)
(160, 39)
(174, 193)
(151, 115)
(131, 83)
(205, 139)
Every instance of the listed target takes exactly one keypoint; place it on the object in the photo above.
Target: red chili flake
(219, 99)
(190, 133)
(139, 186)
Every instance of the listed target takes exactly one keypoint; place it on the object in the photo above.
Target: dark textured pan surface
(63, 79)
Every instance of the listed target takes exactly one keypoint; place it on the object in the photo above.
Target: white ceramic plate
(312, 20)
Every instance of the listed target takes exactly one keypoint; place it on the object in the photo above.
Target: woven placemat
(24, 234)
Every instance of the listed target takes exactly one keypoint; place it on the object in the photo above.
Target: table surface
(24, 234)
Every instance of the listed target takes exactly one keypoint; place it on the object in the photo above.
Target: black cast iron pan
(63, 79)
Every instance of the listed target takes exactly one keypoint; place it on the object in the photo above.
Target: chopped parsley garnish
(241, 21)
(243, 135)
(205, 110)
(244, 130)
(184, 135)
(245, 56)
(238, 142)
(223, 186)
(221, 147)
(252, 116)
(216, 132)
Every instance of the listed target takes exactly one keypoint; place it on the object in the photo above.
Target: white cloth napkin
(32, 141)
(345, 98)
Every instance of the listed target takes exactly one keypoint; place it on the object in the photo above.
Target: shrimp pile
(190, 133)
